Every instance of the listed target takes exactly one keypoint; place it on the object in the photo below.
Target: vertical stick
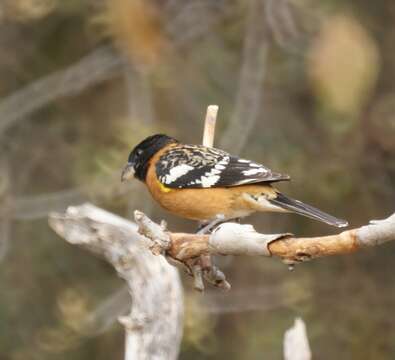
(209, 125)
(296, 343)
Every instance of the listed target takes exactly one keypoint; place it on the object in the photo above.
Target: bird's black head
(138, 160)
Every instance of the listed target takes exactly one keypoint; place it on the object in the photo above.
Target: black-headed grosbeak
(208, 184)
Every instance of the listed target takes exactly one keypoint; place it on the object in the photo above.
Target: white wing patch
(254, 171)
(177, 172)
(258, 168)
(210, 178)
(254, 168)
(209, 181)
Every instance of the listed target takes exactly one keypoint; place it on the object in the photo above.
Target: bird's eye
(139, 152)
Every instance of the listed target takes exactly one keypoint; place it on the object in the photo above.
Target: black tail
(298, 207)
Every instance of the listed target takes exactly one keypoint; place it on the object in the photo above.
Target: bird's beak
(127, 172)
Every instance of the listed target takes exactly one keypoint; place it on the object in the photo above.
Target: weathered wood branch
(236, 239)
(154, 325)
(209, 125)
(296, 343)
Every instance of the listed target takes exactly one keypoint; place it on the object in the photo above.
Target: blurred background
(305, 87)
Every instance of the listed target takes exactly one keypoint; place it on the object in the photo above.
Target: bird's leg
(203, 267)
(197, 274)
(206, 227)
(205, 262)
(201, 226)
(216, 277)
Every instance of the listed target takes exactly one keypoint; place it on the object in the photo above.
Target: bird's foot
(201, 268)
(206, 227)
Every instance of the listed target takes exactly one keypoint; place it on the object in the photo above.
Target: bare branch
(236, 239)
(296, 343)
(377, 232)
(154, 325)
(209, 125)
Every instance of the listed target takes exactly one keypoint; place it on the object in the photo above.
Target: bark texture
(154, 325)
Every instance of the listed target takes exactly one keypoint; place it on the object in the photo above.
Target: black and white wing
(196, 166)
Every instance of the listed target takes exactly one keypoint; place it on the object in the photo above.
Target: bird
(209, 184)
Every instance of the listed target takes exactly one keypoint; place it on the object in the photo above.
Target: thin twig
(209, 125)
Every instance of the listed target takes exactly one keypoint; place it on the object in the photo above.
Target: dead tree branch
(209, 125)
(154, 325)
(236, 239)
(296, 343)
